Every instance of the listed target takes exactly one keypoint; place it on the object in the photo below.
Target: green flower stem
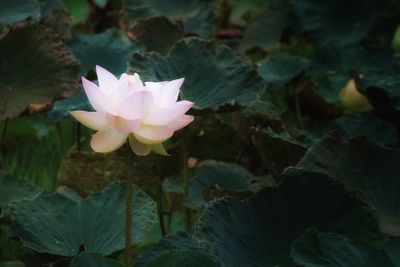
(161, 218)
(128, 214)
(3, 135)
(298, 110)
(172, 204)
(185, 175)
(78, 136)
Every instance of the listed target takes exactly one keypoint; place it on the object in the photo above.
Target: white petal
(136, 105)
(166, 92)
(148, 134)
(181, 122)
(159, 149)
(107, 140)
(134, 80)
(121, 91)
(99, 101)
(106, 79)
(92, 120)
(164, 116)
(122, 125)
(138, 148)
(170, 91)
(154, 88)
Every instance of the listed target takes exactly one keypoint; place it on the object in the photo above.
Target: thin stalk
(171, 211)
(128, 215)
(161, 219)
(185, 175)
(298, 110)
(3, 135)
(78, 136)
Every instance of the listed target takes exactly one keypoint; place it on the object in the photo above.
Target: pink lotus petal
(181, 122)
(138, 148)
(136, 105)
(170, 91)
(149, 134)
(107, 140)
(99, 101)
(121, 91)
(92, 120)
(164, 116)
(133, 79)
(166, 93)
(106, 79)
(123, 125)
(154, 88)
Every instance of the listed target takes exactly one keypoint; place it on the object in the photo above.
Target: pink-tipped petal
(149, 134)
(170, 91)
(121, 91)
(136, 105)
(122, 125)
(181, 122)
(165, 116)
(134, 80)
(138, 148)
(93, 120)
(107, 140)
(155, 89)
(99, 101)
(159, 149)
(106, 79)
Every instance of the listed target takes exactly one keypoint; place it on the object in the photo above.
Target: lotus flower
(146, 114)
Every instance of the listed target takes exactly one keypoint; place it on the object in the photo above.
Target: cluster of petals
(125, 108)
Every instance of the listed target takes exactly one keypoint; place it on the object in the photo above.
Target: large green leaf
(93, 260)
(157, 33)
(368, 125)
(177, 250)
(197, 15)
(243, 8)
(59, 225)
(264, 227)
(109, 49)
(214, 75)
(12, 11)
(226, 176)
(61, 108)
(15, 189)
(213, 179)
(278, 151)
(381, 88)
(282, 67)
(392, 249)
(36, 68)
(315, 249)
(335, 22)
(366, 167)
(207, 132)
(22, 156)
(265, 29)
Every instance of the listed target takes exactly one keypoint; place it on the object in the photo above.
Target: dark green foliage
(55, 224)
(315, 249)
(292, 160)
(264, 227)
(49, 70)
(110, 50)
(367, 168)
(215, 75)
